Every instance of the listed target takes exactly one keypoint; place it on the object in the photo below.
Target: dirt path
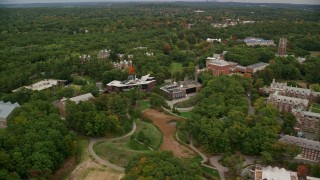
(169, 143)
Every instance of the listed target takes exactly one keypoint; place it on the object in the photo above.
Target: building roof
(41, 85)
(275, 173)
(132, 82)
(218, 62)
(298, 90)
(257, 65)
(83, 97)
(301, 142)
(77, 99)
(289, 100)
(312, 114)
(7, 108)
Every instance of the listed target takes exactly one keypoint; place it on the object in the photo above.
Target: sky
(253, 1)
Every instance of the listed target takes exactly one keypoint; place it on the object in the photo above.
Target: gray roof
(77, 99)
(260, 64)
(312, 114)
(7, 108)
(301, 142)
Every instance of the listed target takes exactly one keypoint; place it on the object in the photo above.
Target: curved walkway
(102, 161)
(171, 103)
(214, 160)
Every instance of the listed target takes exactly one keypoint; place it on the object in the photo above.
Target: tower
(282, 48)
(196, 72)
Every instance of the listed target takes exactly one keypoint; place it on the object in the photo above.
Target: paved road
(204, 157)
(171, 103)
(102, 161)
(214, 160)
(251, 110)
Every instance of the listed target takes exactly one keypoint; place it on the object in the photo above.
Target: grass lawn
(121, 152)
(118, 153)
(150, 131)
(212, 172)
(185, 114)
(187, 103)
(315, 108)
(314, 53)
(175, 67)
(144, 105)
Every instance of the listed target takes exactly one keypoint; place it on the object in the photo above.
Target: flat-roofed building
(310, 148)
(256, 67)
(5, 111)
(251, 41)
(61, 103)
(42, 85)
(180, 90)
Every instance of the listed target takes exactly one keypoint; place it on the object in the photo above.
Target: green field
(120, 152)
(150, 131)
(315, 108)
(144, 105)
(314, 53)
(175, 67)
(185, 114)
(187, 103)
(212, 172)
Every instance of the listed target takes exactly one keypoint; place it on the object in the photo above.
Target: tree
(289, 122)
(234, 164)
(161, 165)
(302, 171)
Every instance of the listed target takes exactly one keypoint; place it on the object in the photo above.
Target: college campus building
(103, 54)
(219, 66)
(42, 85)
(273, 173)
(310, 149)
(251, 41)
(122, 64)
(297, 101)
(5, 111)
(146, 83)
(307, 121)
(180, 89)
(61, 103)
(286, 103)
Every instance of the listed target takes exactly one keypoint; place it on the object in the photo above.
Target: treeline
(35, 143)
(289, 68)
(220, 121)
(162, 165)
(39, 43)
(103, 115)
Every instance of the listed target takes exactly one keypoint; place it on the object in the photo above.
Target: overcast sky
(63, 1)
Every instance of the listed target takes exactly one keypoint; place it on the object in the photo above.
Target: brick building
(180, 89)
(310, 149)
(307, 121)
(287, 104)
